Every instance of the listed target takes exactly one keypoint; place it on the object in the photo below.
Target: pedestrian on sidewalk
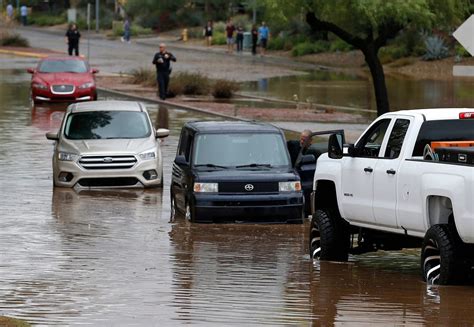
(24, 15)
(254, 33)
(162, 61)
(208, 29)
(126, 31)
(72, 39)
(264, 35)
(240, 38)
(229, 30)
(9, 13)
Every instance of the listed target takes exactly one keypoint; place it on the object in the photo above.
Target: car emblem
(62, 87)
(248, 187)
(108, 159)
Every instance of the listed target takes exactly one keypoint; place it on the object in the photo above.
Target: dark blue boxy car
(235, 171)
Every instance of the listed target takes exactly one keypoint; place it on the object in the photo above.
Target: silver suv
(107, 144)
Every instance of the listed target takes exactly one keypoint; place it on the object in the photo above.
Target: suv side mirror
(52, 136)
(162, 132)
(181, 160)
(335, 146)
(94, 71)
(30, 70)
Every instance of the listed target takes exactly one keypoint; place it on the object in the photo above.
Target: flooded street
(108, 258)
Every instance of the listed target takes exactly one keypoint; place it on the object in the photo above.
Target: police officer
(162, 61)
(72, 39)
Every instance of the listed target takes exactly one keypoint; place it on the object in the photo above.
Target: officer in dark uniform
(162, 61)
(72, 39)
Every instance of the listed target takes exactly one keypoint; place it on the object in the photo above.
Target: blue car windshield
(63, 66)
(241, 149)
(107, 125)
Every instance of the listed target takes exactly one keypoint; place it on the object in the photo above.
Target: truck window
(395, 142)
(185, 141)
(443, 130)
(370, 144)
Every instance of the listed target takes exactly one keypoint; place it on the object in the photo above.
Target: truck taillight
(466, 115)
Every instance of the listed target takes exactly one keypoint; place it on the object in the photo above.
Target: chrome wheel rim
(173, 209)
(431, 262)
(315, 238)
(188, 212)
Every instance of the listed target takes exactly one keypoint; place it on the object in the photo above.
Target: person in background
(24, 15)
(263, 34)
(9, 13)
(72, 39)
(162, 61)
(208, 29)
(240, 38)
(297, 149)
(126, 31)
(229, 30)
(254, 33)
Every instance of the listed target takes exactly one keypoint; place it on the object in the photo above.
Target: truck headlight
(66, 156)
(148, 155)
(289, 186)
(86, 85)
(206, 187)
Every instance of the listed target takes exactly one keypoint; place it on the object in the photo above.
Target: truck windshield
(443, 130)
(107, 125)
(247, 150)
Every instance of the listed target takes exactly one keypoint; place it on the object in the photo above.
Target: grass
(40, 19)
(12, 322)
(13, 40)
(224, 89)
(135, 30)
(143, 76)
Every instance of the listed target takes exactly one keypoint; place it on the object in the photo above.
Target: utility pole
(254, 17)
(97, 16)
(88, 30)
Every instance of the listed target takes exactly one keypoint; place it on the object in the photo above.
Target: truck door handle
(391, 172)
(368, 169)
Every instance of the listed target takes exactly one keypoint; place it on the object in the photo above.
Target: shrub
(143, 76)
(340, 45)
(47, 19)
(435, 48)
(276, 43)
(14, 40)
(219, 27)
(223, 89)
(135, 30)
(242, 20)
(460, 51)
(218, 38)
(392, 52)
(305, 48)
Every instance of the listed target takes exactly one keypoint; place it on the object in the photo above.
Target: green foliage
(392, 52)
(143, 76)
(42, 19)
(340, 45)
(218, 38)
(134, 29)
(460, 51)
(242, 20)
(224, 89)
(435, 48)
(305, 48)
(13, 40)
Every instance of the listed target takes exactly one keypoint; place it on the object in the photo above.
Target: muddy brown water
(113, 258)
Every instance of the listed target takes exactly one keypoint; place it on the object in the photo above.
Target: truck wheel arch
(440, 210)
(325, 196)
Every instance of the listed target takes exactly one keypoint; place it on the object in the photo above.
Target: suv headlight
(148, 155)
(86, 85)
(40, 86)
(206, 187)
(289, 186)
(66, 156)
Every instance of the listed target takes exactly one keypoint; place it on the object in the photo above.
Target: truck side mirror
(181, 160)
(335, 146)
(351, 150)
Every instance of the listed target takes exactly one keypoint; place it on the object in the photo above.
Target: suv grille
(107, 162)
(244, 187)
(62, 89)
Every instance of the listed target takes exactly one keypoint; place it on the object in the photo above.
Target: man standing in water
(162, 61)
(72, 39)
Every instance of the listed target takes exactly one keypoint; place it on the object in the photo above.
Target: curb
(24, 53)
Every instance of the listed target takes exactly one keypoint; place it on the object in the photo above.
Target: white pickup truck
(393, 189)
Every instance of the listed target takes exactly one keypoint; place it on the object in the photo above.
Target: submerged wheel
(172, 207)
(440, 261)
(188, 214)
(329, 236)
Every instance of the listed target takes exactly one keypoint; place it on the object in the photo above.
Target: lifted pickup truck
(391, 190)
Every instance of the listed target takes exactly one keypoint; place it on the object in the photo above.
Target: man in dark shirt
(162, 61)
(229, 31)
(298, 149)
(72, 39)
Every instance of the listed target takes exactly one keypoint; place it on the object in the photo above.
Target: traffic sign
(465, 35)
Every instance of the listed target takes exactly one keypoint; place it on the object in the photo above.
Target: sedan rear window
(107, 125)
(240, 149)
(63, 66)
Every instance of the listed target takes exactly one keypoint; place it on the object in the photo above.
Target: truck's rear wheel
(440, 256)
(329, 236)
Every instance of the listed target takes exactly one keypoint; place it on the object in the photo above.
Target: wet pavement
(108, 258)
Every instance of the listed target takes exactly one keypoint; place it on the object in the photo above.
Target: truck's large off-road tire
(441, 256)
(329, 236)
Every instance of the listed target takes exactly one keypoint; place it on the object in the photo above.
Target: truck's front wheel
(329, 236)
(440, 256)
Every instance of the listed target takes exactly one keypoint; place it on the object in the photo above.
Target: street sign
(465, 35)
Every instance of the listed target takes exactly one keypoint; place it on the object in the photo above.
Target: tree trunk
(378, 78)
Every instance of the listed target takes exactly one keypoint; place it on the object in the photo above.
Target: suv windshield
(241, 149)
(63, 66)
(107, 125)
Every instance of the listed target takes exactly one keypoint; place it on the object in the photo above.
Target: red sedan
(63, 79)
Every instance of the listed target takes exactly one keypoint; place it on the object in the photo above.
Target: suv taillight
(466, 115)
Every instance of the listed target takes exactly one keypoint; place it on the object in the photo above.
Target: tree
(368, 24)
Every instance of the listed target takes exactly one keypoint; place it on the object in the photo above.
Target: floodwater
(108, 258)
(342, 89)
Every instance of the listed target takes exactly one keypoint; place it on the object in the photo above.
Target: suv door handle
(391, 172)
(368, 169)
